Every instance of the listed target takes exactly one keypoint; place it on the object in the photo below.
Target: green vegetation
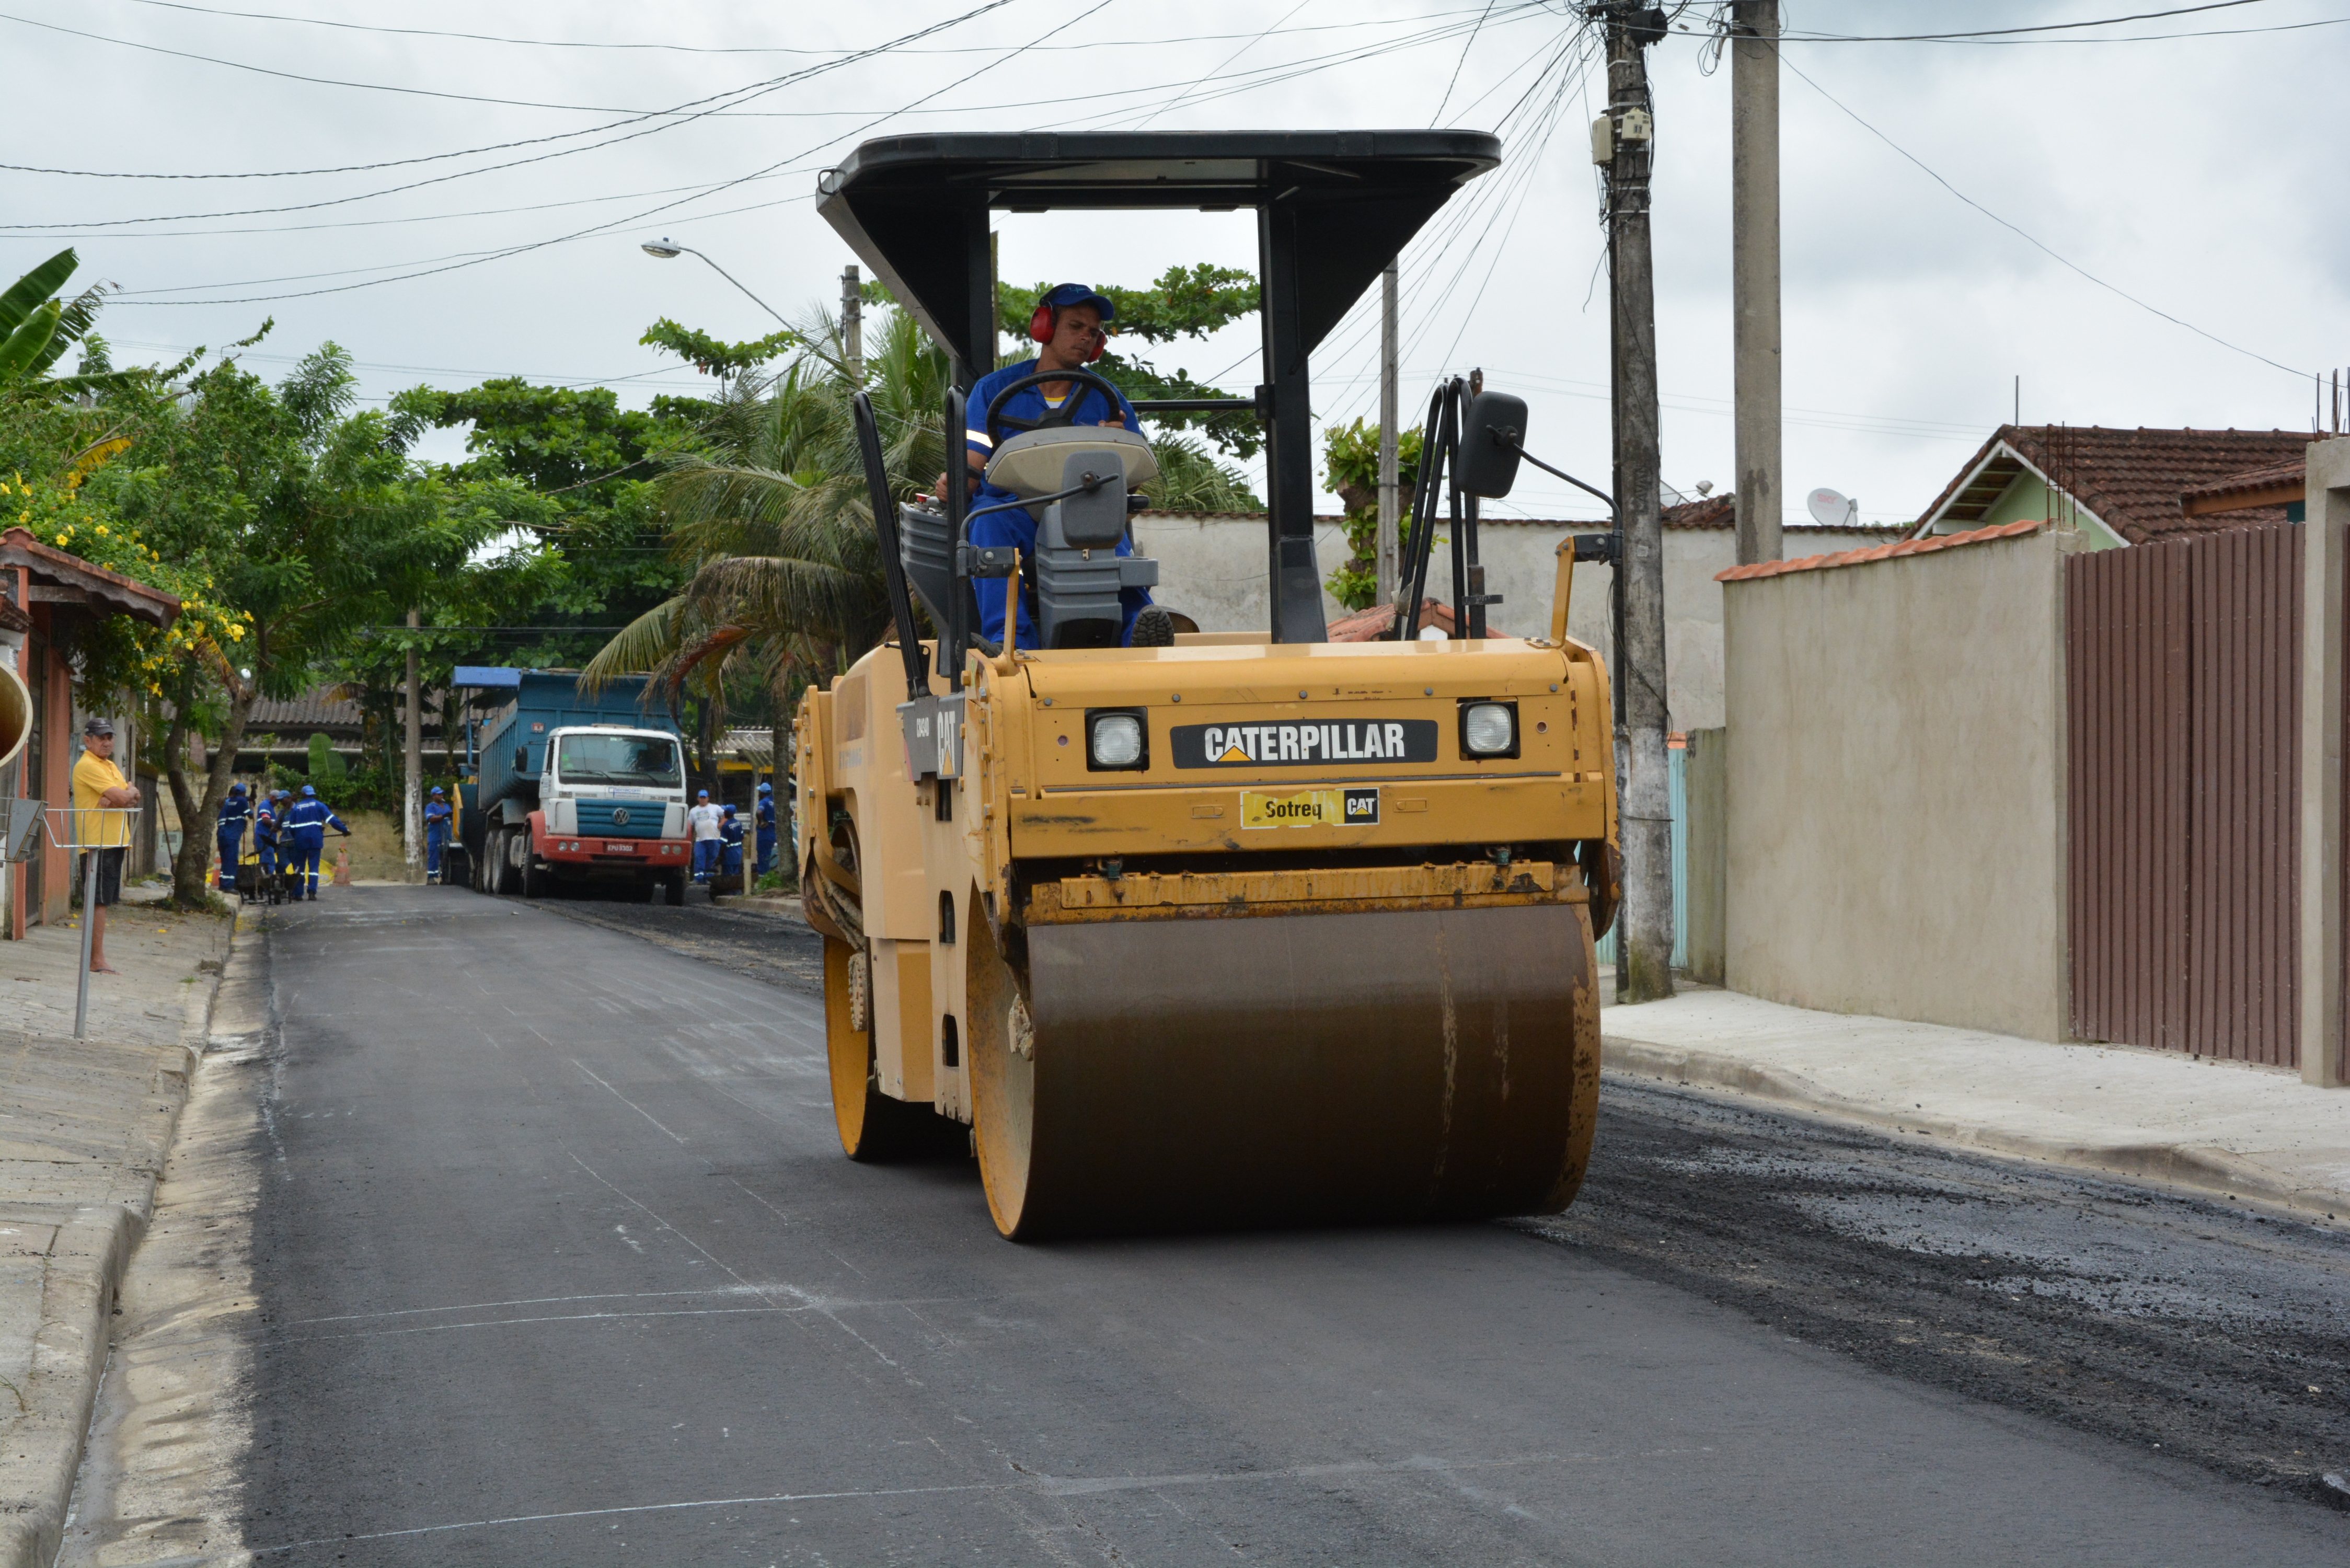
(1353, 474)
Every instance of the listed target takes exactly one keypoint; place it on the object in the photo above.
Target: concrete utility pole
(1645, 943)
(412, 756)
(852, 323)
(1754, 273)
(1390, 491)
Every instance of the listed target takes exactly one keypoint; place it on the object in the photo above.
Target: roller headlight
(1115, 740)
(1489, 729)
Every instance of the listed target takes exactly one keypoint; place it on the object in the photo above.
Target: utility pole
(1754, 274)
(852, 323)
(1390, 491)
(1645, 941)
(412, 756)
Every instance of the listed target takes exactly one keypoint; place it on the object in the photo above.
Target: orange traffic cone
(342, 868)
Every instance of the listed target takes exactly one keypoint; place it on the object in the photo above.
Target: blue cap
(309, 791)
(436, 789)
(730, 811)
(766, 789)
(236, 789)
(702, 794)
(1070, 294)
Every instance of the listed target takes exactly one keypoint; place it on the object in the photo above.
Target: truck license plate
(619, 849)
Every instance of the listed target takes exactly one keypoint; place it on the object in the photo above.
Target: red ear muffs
(1041, 324)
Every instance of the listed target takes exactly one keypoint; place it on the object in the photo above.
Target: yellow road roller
(1254, 929)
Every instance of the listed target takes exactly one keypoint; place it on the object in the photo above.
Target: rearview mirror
(521, 759)
(1492, 437)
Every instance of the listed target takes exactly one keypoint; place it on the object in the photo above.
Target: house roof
(1882, 552)
(1707, 512)
(2280, 485)
(2130, 481)
(321, 708)
(63, 578)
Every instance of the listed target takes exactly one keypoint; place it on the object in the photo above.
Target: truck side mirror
(521, 759)
(1492, 438)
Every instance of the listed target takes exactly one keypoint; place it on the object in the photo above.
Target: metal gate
(2184, 742)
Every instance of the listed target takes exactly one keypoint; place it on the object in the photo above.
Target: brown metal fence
(2183, 703)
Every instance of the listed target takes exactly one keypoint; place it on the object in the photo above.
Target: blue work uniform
(305, 828)
(1014, 525)
(265, 842)
(766, 861)
(436, 834)
(230, 828)
(730, 839)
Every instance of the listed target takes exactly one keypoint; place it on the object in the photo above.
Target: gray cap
(98, 727)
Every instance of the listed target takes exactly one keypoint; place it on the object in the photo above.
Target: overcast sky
(2194, 174)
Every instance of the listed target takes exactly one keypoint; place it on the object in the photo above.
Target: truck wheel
(534, 880)
(674, 889)
(502, 872)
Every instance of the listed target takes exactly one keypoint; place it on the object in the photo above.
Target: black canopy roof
(1333, 209)
(907, 204)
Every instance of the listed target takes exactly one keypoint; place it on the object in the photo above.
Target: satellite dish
(1832, 509)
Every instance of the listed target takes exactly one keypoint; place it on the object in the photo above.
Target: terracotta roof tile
(2130, 480)
(1881, 552)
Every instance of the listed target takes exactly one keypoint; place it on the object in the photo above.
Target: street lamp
(666, 249)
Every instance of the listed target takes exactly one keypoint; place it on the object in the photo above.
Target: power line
(744, 94)
(2029, 239)
(2004, 32)
(762, 49)
(1454, 80)
(1095, 6)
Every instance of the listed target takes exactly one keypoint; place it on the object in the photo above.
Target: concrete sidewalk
(84, 1129)
(2253, 1133)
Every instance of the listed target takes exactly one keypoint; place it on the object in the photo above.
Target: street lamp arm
(737, 282)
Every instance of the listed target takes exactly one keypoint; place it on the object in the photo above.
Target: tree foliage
(1352, 473)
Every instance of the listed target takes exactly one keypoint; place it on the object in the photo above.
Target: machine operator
(1067, 326)
(306, 833)
(234, 812)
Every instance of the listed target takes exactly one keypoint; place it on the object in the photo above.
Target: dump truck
(571, 788)
(1254, 929)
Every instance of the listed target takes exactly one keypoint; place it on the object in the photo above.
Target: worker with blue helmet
(1069, 327)
(766, 813)
(306, 826)
(264, 836)
(730, 848)
(235, 813)
(437, 818)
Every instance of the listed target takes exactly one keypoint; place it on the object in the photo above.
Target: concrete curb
(2209, 1170)
(84, 1267)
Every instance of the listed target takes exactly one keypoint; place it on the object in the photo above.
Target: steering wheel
(998, 421)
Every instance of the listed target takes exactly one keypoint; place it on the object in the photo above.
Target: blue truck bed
(545, 701)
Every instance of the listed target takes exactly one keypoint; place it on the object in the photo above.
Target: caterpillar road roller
(1254, 929)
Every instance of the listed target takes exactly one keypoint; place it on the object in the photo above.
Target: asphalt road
(558, 1262)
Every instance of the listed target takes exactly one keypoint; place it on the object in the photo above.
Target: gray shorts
(110, 874)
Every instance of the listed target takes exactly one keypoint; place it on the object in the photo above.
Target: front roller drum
(1286, 1070)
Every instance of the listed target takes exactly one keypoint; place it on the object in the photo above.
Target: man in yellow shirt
(99, 786)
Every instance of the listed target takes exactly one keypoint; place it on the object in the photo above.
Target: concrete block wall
(1896, 786)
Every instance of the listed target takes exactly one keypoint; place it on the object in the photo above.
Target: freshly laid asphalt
(559, 1263)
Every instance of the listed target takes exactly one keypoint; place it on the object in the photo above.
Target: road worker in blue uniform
(766, 861)
(264, 841)
(1067, 326)
(437, 817)
(730, 839)
(307, 827)
(234, 811)
(702, 827)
